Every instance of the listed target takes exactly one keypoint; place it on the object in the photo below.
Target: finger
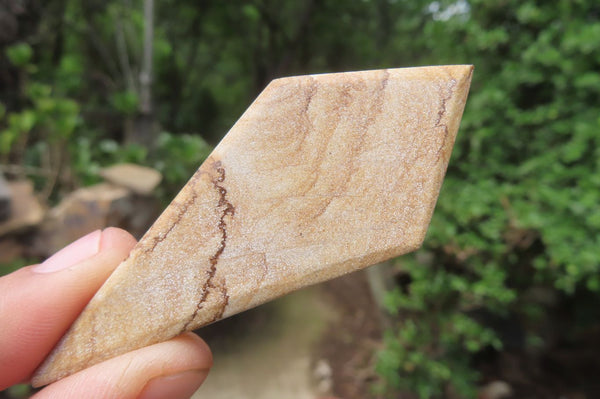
(38, 303)
(173, 369)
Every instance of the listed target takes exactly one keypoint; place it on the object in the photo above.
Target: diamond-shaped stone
(321, 176)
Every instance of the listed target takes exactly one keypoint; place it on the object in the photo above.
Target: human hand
(38, 304)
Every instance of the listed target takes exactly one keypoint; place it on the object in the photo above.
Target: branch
(146, 70)
(123, 55)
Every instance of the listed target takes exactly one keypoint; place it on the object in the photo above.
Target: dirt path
(268, 352)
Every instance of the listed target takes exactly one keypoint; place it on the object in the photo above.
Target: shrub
(519, 209)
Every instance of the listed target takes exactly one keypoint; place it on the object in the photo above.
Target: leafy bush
(178, 157)
(50, 137)
(519, 209)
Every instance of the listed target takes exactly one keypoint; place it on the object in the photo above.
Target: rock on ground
(95, 207)
(26, 209)
(5, 199)
(139, 179)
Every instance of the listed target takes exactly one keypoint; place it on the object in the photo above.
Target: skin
(37, 307)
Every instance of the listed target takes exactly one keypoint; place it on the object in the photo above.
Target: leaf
(125, 102)
(28, 119)
(251, 12)
(7, 137)
(19, 54)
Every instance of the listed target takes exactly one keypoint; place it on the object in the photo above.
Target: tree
(143, 131)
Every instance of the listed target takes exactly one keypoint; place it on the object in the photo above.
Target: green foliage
(429, 352)
(427, 370)
(125, 102)
(57, 116)
(50, 120)
(18, 123)
(178, 157)
(531, 132)
(51, 117)
(19, 54)
(19, 391)
(518, 210)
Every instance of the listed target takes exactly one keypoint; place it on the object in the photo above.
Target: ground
(315, 343)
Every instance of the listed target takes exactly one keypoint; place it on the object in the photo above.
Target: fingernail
(86, 247)
(176, 386)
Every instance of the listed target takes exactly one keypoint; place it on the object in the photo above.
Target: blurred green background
(511, 262)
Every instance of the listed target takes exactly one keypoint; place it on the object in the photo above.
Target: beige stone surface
(321, 176)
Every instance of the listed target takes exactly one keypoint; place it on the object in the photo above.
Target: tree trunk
(144, 131)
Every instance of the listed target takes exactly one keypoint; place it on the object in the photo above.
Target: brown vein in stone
(225, 296)
(373, 111)
(345, 99)
(307, 125)
(312, 90)
(440, 114)
(308, 93)
(209, 285)
(182, 207)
